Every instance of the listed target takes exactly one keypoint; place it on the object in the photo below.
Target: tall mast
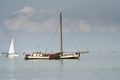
(61, 42)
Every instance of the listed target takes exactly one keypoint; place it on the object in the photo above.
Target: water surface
(91, 66)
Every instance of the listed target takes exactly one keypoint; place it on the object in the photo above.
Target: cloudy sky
(34, 24)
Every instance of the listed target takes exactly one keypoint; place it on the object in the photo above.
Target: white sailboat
(11, 53)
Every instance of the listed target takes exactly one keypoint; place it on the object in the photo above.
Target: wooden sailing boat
(11, 53)
(58, 55)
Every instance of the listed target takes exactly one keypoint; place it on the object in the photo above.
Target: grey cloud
(95, 10)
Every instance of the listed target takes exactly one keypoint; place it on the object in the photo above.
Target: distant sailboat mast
(11, 49)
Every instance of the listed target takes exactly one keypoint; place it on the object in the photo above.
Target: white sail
(11, 52)
(11, 49)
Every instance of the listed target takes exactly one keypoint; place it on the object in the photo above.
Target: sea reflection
(11, 70)
(61, 75)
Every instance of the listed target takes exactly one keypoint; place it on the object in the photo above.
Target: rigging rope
(73, 41)
(73, 33)
(80, 41)
(52, 39)
(77, 38)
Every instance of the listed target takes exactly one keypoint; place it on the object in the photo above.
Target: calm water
(92, 66)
